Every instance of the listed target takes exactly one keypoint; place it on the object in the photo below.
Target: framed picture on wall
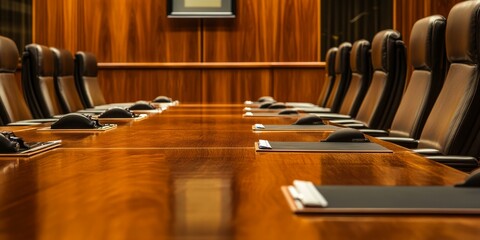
(201, 8)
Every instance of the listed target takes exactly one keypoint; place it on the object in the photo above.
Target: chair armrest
(404, 142)
(333, 116)
(354, 125)
(464, 163)
(374, 132)
(345, 121)
(427, 151)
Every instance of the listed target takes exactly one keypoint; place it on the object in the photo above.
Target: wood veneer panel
(55, 23)
(442, 7)
(234, 85)
(301, 85)
(135, 84)
(130, 31)
(267, 30)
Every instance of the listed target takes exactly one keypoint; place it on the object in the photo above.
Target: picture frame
(201, 8)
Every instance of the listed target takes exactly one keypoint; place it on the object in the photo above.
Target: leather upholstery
(360, 64)
(451, 126)
(86, 79)
(342, 77)
(67, 90)
(8, 55)
(427, 55)
(388, 61)
(39, 85)
(329, 76)
(12, 105)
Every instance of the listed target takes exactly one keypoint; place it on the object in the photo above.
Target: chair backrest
(427, 55)
(342, 77)
(329, 77)
(455, 114)
(361, 67)
(12, 105)
(38, 82)
(87, 80)
(65, 81)
(388, 66)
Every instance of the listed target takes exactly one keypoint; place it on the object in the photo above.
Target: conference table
(191, 172)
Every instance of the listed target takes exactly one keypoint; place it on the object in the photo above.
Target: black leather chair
(86, 80)
(38, 82)
(453, 123)
(329, 77)
(389, 66)
(427, 55)
(342, 77)
(65, 81)
(13, 107)
(361, 68)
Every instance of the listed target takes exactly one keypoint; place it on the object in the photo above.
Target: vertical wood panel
(302, 85)
(55, 23)
(267, 30)
(243, 39)
(146, 84)
(297, 27)
(129, 31)
(235, 85)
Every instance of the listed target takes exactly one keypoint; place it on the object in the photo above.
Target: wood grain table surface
(191, 172)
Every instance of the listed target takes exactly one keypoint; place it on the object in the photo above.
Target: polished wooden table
(191, 172)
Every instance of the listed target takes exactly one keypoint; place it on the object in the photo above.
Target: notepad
(389, 199)
(340, 147)
(118, 120)
(104, 128)
(296, 128)
(268, 114)
(35, 148)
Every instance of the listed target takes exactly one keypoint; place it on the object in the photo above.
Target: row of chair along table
(437, 115)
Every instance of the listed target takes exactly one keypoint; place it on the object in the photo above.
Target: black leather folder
(392, 199)
(341, 147)
(295, 128)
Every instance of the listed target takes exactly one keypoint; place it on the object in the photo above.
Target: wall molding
(209, 65)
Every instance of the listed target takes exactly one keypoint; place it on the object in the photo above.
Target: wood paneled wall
(126, 31)
(142, 53)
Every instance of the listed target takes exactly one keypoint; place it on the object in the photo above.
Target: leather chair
(453, 123)
(329, 77)
(87, 81)
(361, 68)
(342, 77)
(13, 107)
(65, 81)
(427, 55)
(389, 66)
(38, 82)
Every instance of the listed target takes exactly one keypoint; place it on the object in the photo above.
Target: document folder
(340, 147)
(294, 128)
(390, 199)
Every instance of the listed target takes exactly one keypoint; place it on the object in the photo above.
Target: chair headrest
(383, 47)
(358, 62)
(63, 62)
(330, 61)
(422, 47)
(87, 63)
(342, 59)
(42, 57)
(462, 35)
(8, 55)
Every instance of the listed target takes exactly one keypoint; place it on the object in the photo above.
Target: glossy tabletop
(191, 172)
